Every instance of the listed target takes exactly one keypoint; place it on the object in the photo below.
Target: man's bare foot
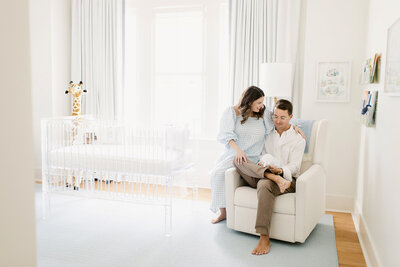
(221, 217)
(263, 246)
(283, 184)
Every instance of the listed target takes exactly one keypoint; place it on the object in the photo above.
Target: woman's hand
(299, 131)
(240, 157)
(275, 170)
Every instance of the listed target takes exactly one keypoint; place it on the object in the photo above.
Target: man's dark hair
(284, 104)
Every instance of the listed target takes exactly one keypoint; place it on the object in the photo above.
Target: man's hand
(275, 170)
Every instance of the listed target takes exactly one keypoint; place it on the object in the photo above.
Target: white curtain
(262, 31)
(97, 55)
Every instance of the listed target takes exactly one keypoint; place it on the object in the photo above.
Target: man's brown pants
(267, 190)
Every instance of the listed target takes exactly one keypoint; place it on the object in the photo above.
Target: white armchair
(295, 214)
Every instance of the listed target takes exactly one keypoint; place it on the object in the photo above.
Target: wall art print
(333, 79)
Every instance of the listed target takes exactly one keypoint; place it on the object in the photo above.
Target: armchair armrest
(232, 181)
(310, 200)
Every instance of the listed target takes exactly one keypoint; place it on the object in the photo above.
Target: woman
(243, 129)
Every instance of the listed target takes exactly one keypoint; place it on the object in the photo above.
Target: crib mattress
(120, 158)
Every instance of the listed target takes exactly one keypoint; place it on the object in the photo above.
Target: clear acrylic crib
(107, 159)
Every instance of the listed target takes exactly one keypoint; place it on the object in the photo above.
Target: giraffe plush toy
(76, 91)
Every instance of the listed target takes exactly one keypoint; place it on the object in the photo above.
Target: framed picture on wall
(333, 80)
(392, 71)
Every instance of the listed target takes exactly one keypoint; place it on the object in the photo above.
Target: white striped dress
(249, 137)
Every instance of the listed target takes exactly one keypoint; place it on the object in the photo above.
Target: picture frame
(333, 81)
(392, 67)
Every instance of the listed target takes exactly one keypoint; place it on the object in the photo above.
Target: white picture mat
(333, 80)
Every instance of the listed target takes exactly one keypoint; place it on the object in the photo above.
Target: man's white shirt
(288, 148)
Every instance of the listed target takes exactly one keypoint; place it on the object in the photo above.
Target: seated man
(288, 148)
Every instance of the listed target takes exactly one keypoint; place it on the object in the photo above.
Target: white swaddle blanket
(267, 160)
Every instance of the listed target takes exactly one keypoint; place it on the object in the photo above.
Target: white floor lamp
(276, 80)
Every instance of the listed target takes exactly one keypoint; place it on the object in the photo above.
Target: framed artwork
(392, 71)
(333, 80)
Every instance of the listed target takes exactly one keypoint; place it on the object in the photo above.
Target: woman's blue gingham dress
(249, 137)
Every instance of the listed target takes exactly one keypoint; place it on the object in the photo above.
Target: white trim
(341, 211)
(340, 203)
(367, 244)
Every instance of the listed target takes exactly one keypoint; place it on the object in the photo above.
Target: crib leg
(195, 192)
(168, 220)
(168, 210)
(45, 196)
(45, 205)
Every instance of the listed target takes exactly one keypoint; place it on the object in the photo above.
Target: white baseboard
(341, 211)
(340, 203)
(365, 238)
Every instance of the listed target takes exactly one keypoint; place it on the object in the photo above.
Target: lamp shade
(276, 79)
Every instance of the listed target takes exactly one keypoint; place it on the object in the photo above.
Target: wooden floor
(347, 243)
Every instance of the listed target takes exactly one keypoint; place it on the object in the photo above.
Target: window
(178, 77)
(177, 64)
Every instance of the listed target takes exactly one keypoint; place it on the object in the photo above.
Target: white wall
(61, 27)
(335, 31)
(378, 195)
(40, 33)
(17, 223)
(50, 26)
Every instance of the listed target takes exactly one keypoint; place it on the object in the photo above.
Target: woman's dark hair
(284, 104)
(250, 95)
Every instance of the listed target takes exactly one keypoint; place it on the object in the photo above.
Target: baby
(273, 165)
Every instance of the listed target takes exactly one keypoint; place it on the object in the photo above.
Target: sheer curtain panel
(261, 31)
(97, 55)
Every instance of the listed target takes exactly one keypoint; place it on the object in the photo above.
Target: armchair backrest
(315, 153)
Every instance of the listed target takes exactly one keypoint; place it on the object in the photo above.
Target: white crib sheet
(122, 159)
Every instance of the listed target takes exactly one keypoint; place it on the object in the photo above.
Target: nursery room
(200, 133)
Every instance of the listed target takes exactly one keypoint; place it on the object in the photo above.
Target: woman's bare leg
(221, 217)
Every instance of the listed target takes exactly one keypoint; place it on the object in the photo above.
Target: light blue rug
(92, 232)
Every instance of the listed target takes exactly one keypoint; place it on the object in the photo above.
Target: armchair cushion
(306, 126)
(246, 197)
